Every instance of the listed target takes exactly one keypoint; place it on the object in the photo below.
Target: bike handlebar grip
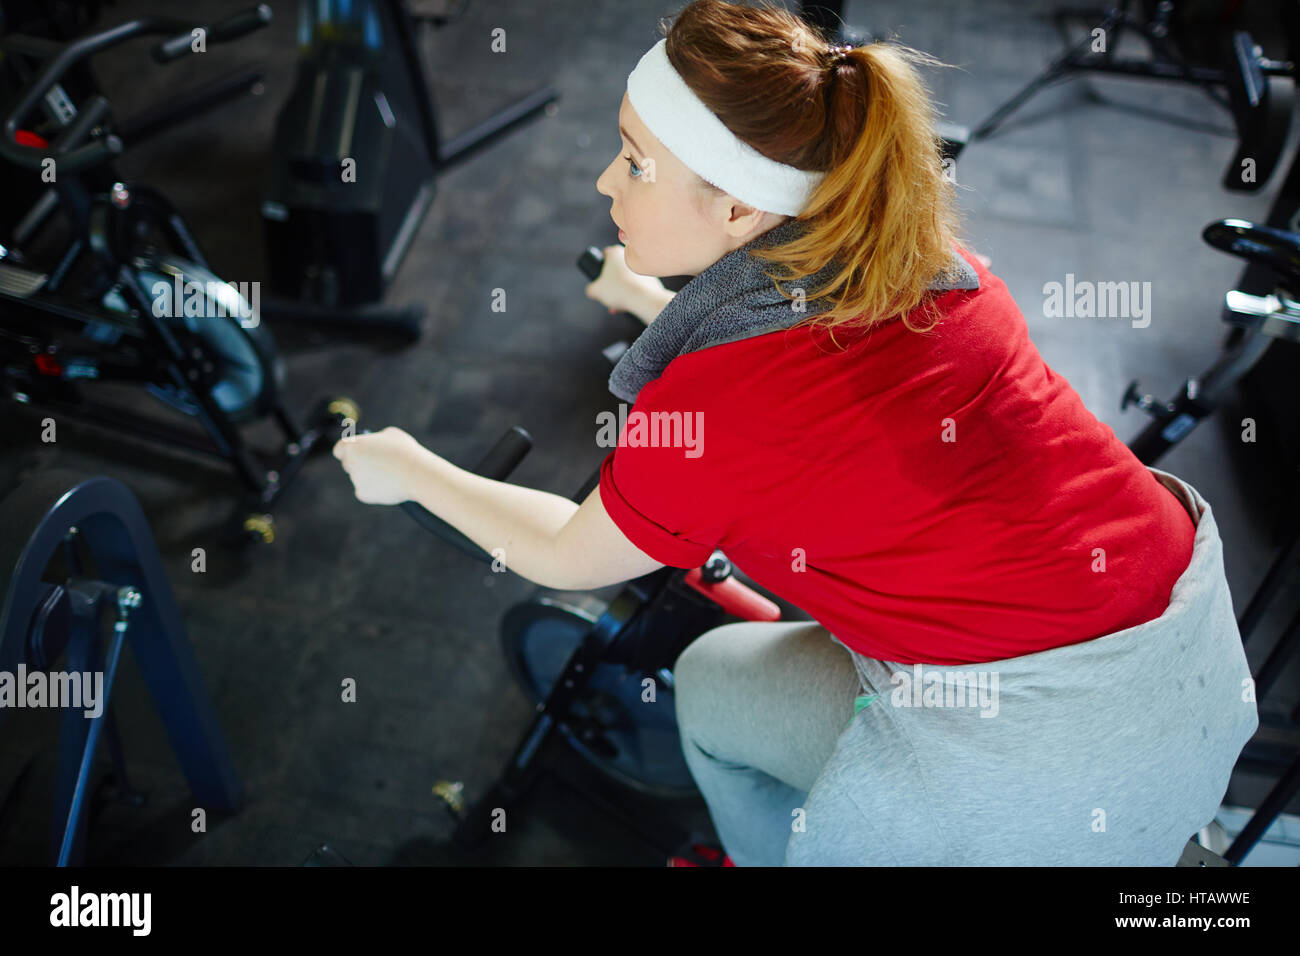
(231, 28)
(173, 49)
(497, 464)
(506, 454)
(238, 24)
(735, 597)
(89, 155)
(591, 262)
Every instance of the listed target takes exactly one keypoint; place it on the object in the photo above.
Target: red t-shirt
(941, 498)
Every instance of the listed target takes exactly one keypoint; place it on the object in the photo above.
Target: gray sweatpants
(1112, 752)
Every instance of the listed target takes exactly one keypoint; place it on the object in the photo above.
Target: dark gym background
(1102, 190)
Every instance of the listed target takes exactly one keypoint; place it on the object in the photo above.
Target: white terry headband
(699, 139)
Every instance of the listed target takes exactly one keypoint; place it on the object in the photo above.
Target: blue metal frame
(38, 515)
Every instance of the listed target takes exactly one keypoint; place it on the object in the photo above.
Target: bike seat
(1277, 249)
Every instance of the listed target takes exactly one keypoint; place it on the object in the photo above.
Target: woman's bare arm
(544, 537)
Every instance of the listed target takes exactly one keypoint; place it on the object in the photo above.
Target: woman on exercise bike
(1024, 648)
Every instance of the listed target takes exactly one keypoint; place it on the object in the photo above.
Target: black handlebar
(497, 464)
(1274, 249)
(232, 28)
(73, 158)
(591, 262)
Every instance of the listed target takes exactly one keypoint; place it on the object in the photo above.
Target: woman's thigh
(770, 695)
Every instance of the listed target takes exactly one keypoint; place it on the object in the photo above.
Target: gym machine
(1259, 92)
(356, 151)
(585, 664)
(128, 296)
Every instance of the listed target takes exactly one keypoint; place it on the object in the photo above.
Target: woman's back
(938, 498)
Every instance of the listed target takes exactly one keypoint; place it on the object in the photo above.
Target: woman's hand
(381, 465)
(621, 289)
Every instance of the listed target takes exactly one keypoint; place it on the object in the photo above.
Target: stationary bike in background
(128, 295)
(362, 99)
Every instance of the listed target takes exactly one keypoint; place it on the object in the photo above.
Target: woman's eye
(633, 169)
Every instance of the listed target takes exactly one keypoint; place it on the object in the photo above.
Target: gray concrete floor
(1095, 185)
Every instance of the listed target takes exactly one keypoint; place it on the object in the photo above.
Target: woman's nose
(604, 183)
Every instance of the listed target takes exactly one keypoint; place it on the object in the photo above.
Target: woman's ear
(741, 220)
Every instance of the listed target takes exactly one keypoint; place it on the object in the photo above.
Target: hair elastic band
(695, 135)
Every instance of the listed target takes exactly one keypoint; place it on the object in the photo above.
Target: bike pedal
(19, 282)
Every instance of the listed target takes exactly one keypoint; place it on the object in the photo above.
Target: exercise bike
(130, 297)
(600, 674)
